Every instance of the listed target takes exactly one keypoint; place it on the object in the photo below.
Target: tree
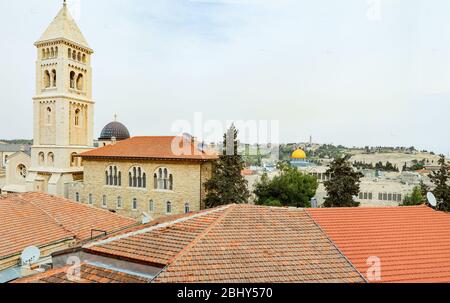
(442, 189)
(424, 189)
(227, 185)
(415, 198)
(343, 185)
(290, 188)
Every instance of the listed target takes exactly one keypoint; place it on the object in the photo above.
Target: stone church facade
(63, 108)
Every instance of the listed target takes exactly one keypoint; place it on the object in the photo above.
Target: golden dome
(299, 154)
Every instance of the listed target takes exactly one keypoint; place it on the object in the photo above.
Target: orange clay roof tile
(166, 148)
(413, 243)
(236, 243)
(39, 219)
(88, 274)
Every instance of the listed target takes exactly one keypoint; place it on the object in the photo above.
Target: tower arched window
(137, 178)
(163, 179)
(69, 53)
(73, 160)
(80, 80)
(169, 207)
(54, 78)
(43, 54)
(41, 159)
(74, 55)
(56, 52)
(52, 52)
(49, 116)
(51, 159)
(134, 204)
(84, 58)
(46, 79)
(47, 54)
(77, 117)
(187, 208)
(72, 79)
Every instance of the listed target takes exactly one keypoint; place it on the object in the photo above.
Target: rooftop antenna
(432, 199)
(30, 255)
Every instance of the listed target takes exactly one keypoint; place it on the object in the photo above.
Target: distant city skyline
(351, 72)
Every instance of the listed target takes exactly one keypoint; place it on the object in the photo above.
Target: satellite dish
(431, 199)
(30, 255)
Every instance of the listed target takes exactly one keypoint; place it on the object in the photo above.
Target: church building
(63, 108)
(139, 177)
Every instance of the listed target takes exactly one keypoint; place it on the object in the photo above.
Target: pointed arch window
(80, 82)
(41, 158)
(169, 207)
(51, 159)
(46, 79)
(72, 79)
(73, 160)
(163, 179)
(187, 208)
(137, 178)
(151, 206)
(113, 176)
(49, 116)
(53, 78)
(77, 117)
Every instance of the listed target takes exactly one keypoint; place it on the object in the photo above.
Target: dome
(114, 129)
(299, 154)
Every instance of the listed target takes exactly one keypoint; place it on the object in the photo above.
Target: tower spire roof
(64, 27)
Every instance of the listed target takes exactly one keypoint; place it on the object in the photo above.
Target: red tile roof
(156, 245)
(412, 243)
(39, 219)
(165, 148)
(88, 274)
(237, 243)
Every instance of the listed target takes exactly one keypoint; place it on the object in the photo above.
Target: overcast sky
(344, 72)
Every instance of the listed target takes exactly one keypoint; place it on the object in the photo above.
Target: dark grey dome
(114, 129)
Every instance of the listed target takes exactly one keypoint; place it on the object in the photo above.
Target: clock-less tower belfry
(63, 108)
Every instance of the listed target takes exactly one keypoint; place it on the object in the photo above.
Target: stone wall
(188, 180)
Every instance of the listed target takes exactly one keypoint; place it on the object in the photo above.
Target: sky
(350, 72)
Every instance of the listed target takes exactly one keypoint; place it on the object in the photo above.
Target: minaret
(63, 106)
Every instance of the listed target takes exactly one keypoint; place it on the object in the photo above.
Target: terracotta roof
(236, 243)
(156, 245)
(40, 219)
(165, 148)
(413, 243)
(88, 274)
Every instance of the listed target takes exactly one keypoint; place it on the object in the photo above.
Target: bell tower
(63, 106)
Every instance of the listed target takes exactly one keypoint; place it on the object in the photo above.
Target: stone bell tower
(63, 106)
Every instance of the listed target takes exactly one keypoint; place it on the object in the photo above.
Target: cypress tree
(343, 185)
(442, 189)
(227, 185)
